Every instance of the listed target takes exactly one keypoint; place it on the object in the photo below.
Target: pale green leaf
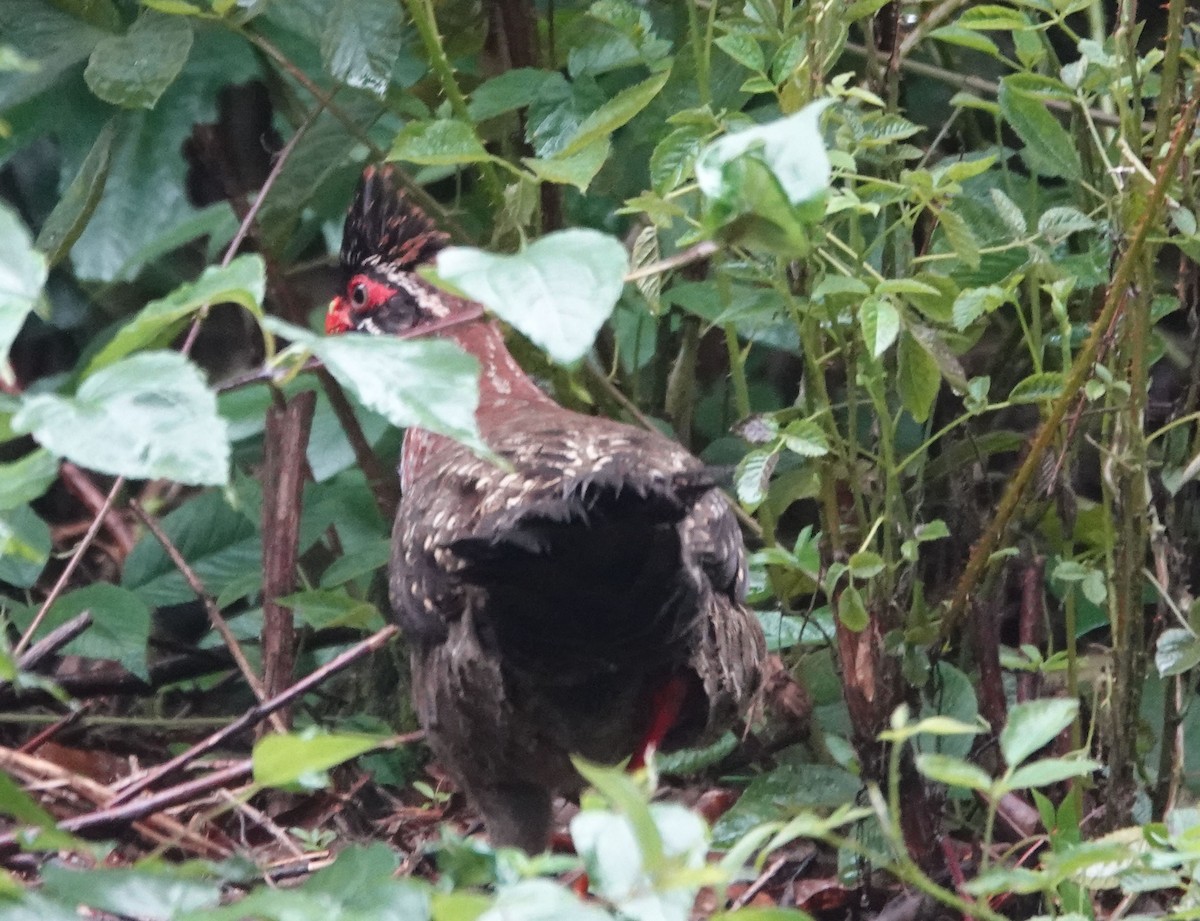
(135, 69)
(1034, 724)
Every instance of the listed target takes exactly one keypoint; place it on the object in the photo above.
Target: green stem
(425, 21)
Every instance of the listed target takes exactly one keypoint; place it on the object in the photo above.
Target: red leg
(665, 704)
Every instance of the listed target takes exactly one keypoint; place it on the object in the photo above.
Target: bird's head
(385, 239)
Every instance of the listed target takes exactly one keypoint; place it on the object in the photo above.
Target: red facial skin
(371, 294)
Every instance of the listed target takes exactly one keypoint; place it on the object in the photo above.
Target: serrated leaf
(511, 90)
(960, 237)
(361, 41)
(578, 170)
(1010, 213)
(1034, 724)
(135, 69)
(1049, 149)
(150, 416)
(429, 383)
(879, 322)
(70, 216)
(445, 142)
(242, 282)
(743, 49)
(120, 626)
(1056, 224)
(805, 438)
(674, 157)
(917, 379)
(973, 303)
(558, 291)
(753, 475)
(1044, 385)
(23, 272)
(286, 759)
(613, 114)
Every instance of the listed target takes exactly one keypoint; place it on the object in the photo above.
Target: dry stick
(160, 829)
(216, 618)
(283, 469)
(72, 565)
(1081, 369)
(260, 712)
(83, 487)
(54, 640)
(148, 805)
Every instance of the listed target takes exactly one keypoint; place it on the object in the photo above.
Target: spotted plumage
(550, 603)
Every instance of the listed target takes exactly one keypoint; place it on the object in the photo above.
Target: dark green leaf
(24, 546)
(558, 291)
(785, 791)
(578, 170)
(613, 114)
(135, 69)
(131, 892)
(50, 38)
(361, 42)
(242, 282)
(149, 416)
(917, 379)
(1049, 149)
(512, 90)
(70, 216)
(674, 157)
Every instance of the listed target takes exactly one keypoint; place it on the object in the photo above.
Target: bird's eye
(358, 295)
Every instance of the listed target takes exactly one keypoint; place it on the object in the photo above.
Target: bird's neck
(504, 388)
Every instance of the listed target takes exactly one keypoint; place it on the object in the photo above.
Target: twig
(381, 481)
(54, 640)
(72, 565)
(695, 253)
(210, 606)
(53, 729)
(82, 486)
(260, 712)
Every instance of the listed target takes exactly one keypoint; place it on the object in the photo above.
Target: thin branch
(54, 640)
(695, 253)
(258, 713)
(210, 605)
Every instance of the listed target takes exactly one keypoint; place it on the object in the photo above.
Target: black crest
(386, 230)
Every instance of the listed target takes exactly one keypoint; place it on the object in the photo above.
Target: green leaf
(321, 609)
(1034, 724)
(149, 416)
(135, 69)
(1177, 651)
(24, 546)
(879, 322)
(578, 170)
(865, 564)
(429, 383)
(512, 90)
(791, 148)
(954, 772)
(753, 476)
(445, 142)
(782, 793)
(23, 272)
(221, 545)
(1044, 385)
(960, 237)
(743, 49)
(1056, 224)
(242, 282)
(1049, 149)
(26, 479)
(917, 379)
(361, 41)
(852, 611)
(973, 303)
(120, 625)
(131, 892)
(805, 438)
(286, 759)
(1050, 770)
(613, 114)
(70, 216)
(558, 291)
(674, 157)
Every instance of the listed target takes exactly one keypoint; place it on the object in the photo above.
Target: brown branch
(283, 476)
(81, 485)
(210, 605)
(54, 640)
(381, 481)
(258, 713)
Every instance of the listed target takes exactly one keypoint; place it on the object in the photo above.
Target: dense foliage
(924, 277)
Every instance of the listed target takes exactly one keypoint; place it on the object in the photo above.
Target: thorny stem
(1114, 301)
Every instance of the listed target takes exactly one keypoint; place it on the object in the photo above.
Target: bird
(582, 598)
